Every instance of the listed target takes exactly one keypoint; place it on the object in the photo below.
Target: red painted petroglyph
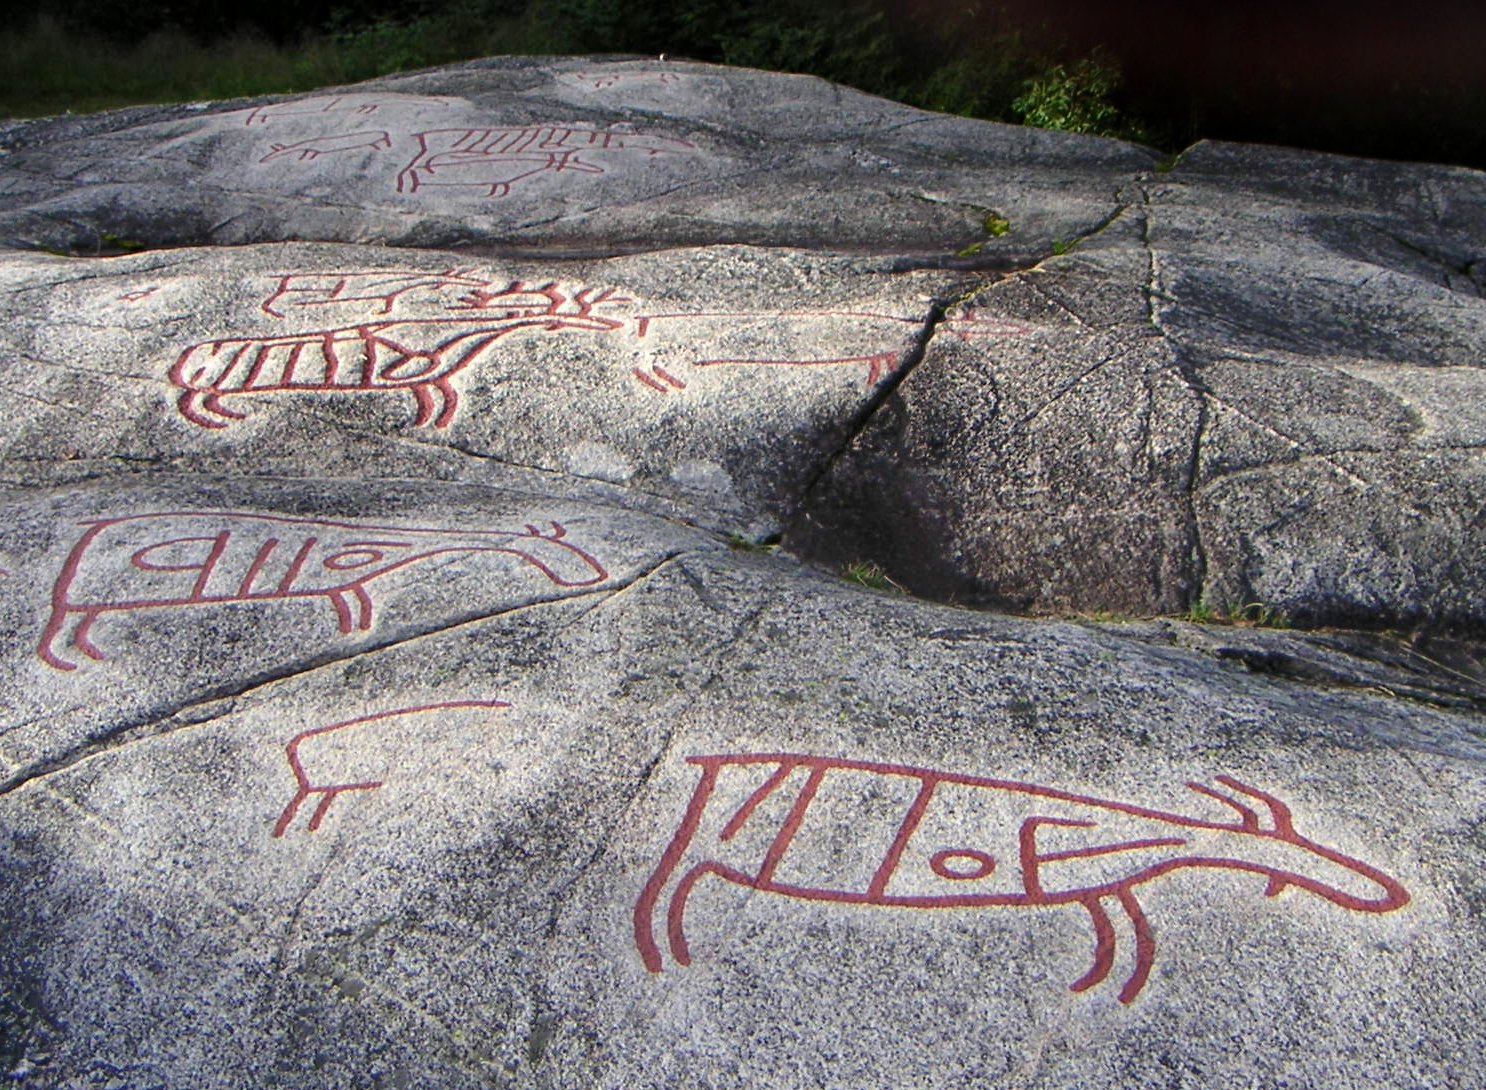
(972, 326)
(607, 80)
(658, 378)
(1093, 871)
(328, 791)
(388, 289)
(136, 296)
(212, 558)
(494, 160)
(316, 146)
(312, 107)
(417, 355)
(879, 364)
(402, 348)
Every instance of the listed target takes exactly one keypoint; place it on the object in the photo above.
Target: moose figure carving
(1049, 848)
(325, 775)
(178, 559)
(417, 355)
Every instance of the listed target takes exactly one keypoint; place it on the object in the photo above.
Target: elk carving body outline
(332, 787)
(146, 562)
(388, 352)
(1098, 876)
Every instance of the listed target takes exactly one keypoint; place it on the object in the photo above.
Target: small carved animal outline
(294, 753)
(418, 355)
(1149, 858)
(316, 146)
(227, 557)
(496, 159)
(310, 107)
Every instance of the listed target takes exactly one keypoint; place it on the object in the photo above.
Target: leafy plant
(995, 225)
(1075, 98)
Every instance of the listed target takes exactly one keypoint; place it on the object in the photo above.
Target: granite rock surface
(597, 572)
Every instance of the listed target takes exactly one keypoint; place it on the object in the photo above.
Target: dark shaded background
(1392, 80)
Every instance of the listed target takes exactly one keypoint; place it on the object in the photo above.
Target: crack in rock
(155, 723)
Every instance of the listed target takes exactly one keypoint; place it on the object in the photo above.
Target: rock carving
(603, 81)
(1088, 869)
(386, 349)
(494, 160)
(417, 355)
(296, 755)
(211, 558)
(312, 107)
(316, 146)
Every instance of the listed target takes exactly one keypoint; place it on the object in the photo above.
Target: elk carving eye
(962, 865)
(351, 559)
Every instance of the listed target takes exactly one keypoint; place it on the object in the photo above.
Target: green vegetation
(870, 575)
(109, 54)
(995, 59)
(1062, 246)
(1251, 615)
(1076, 98)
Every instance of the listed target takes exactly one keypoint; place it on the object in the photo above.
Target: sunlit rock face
(619, 573)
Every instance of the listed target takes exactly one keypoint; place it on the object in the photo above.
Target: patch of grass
(1062, 246)
(971, 250)
(1250, 615)
(46, 68)
(870, 575)
(1258, 615)
(1204, 613)
(995, 225)
(118, 244)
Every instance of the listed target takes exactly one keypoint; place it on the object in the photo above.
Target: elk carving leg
(205, 408)
(1104, 947)
(1105, 943)
(1145, 947)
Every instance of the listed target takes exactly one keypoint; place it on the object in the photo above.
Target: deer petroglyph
(1047, 848)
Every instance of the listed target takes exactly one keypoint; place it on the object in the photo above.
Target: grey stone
(403, 684)
(1179, 418)
(577, 153)
(461, 895)
(718, 381)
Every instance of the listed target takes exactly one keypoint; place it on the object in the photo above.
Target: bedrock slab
(399, 687)
(715, 382)
(734, 824)
(1244, 395)
(125, 604)
(595, 155)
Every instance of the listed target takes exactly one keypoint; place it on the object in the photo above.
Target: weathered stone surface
(1182, 418)
(486, 912)
(576, 153)
(718, 380)
(398, 687)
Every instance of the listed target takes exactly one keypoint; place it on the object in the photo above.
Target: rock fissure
(1188, 370)
(154, 724)
(863, 416)
(561, 342)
